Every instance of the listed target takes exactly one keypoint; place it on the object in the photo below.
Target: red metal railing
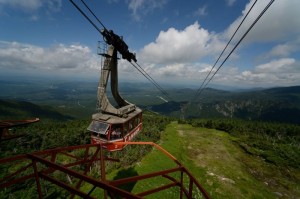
(75, 162)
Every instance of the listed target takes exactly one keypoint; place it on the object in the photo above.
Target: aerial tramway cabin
(120, 123)
(110, 129)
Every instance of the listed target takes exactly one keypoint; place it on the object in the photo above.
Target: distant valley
(78, 100)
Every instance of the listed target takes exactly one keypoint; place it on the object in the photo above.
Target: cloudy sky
(175, 41)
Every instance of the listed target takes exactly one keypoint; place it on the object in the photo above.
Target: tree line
(278, 143)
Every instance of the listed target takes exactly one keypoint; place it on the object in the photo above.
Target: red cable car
(116, 129)
(113, 124)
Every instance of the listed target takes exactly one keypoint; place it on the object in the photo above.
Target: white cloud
(28, 5)
(178, 55)
(134, 6)
(276, 66)
(181, 54)
(250, 77)
(176, 70)
(68, 58)
(281, 22)
(230, 2)
(180, 72)
(281, 72)
(54, 5)
(34, 18)
(284, 49)
(31, 6)
(141, 8)
(205, 69)
(201, 11)
(281, 50)
(276, 38)
(176, 46)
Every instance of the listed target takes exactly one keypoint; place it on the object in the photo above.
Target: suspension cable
(145, 74)
(244, 35)
(137, 66)
(200, 88)
(163, 91)
(93, 24)
(93, 14)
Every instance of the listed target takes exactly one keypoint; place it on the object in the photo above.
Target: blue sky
(175, 41)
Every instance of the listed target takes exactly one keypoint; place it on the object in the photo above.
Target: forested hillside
(273, 105)
(276, 144)
(50, 134)
(78, 100)
(14, 110)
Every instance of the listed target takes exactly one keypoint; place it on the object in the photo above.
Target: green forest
(277, 144)
(51, 134)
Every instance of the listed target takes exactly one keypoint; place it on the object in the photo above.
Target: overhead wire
(93, 24)
(198, 92)
(145, 74)
(244, 35)
(93, 14)
(136, 65)
(237, 44)
(154, 82)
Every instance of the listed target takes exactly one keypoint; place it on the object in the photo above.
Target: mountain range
(275, 104)
(66, 100)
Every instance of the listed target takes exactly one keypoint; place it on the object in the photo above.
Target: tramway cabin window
(99, 129)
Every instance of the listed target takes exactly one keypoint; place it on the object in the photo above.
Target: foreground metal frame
(5, 125)
(48, 166)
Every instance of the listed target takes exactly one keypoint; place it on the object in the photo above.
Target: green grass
(223, 174)
(157, 161)
(219, 164)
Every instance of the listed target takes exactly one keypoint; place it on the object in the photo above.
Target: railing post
(37, 179)
(181, 182)
(190, 188)
(103, 178)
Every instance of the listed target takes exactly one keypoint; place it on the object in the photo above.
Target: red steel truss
(5, 125)
(69, 168)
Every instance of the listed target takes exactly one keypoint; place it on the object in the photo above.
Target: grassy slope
(223, 168)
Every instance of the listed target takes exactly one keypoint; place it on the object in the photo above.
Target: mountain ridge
(78, 99)
(280, 104)
(12, 109)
